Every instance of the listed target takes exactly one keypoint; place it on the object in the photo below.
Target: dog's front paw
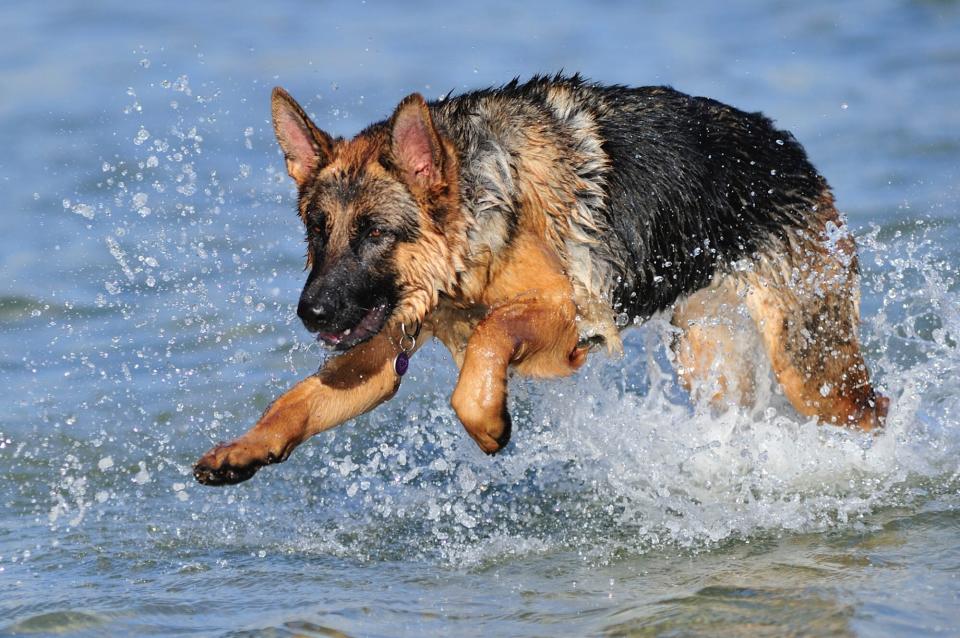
(234, 462)
(491, 431)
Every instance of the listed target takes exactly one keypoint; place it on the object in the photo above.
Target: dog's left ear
(415, 144)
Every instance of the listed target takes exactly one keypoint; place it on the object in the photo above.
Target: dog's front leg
(349, 385)
(538, 335)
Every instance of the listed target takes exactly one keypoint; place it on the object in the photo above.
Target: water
(150, 259)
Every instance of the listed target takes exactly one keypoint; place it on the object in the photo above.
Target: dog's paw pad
(220, 467)
(223, 475)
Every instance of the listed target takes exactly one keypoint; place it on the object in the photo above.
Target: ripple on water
(59, 622)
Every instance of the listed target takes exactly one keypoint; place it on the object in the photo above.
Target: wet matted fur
(520, 225)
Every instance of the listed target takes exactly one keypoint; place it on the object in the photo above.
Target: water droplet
(143, 476)
(84, 210)
(142, 136)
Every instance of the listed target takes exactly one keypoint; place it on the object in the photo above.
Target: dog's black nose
(313, 312)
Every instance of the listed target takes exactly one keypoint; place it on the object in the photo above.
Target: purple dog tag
(401, 363)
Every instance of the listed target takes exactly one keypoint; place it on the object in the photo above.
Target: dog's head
(382, 219)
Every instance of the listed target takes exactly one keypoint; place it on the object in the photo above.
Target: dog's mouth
(368, 326)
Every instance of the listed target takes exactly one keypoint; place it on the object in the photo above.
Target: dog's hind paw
(875, 417)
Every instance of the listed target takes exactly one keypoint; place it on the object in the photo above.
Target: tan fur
(808, 316)
(806, 309)
(551, 205)
(349, 385)
(709, 350)
(531, 325)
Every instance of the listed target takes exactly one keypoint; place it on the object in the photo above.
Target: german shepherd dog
(525, 225)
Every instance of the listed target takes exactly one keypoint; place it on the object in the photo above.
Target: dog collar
(408, 343)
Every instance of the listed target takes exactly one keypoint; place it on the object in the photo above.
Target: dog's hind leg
(806, 307)
(712, 352)
(348, 385)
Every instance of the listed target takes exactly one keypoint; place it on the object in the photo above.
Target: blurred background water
(150, 260)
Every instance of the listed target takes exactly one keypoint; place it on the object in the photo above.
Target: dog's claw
(504, 437)
(489, 443)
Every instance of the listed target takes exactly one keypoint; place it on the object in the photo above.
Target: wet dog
(525, 225)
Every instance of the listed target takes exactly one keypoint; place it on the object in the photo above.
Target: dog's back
(667, 188)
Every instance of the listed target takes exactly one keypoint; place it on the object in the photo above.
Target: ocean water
(151, 259)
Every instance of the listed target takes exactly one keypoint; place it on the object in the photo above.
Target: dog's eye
(372, 235)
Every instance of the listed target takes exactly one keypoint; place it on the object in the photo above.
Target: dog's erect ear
(415, 144)
(305, 147)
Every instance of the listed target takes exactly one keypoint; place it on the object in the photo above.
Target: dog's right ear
(305, 147)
